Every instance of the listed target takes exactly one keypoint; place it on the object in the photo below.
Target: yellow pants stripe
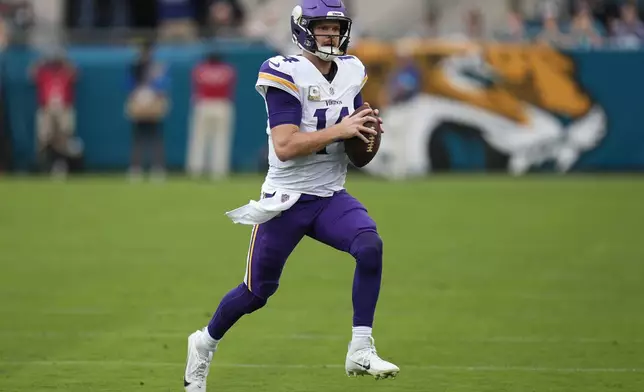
(250, 256)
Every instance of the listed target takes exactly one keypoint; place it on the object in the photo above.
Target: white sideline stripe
(182, 335)
(334, 366)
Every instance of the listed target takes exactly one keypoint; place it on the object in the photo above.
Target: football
(359, 152)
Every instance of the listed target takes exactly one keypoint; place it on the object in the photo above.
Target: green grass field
(491, 284)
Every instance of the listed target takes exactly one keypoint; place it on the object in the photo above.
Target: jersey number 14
(320, 114)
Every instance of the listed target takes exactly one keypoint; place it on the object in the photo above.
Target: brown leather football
(359, 152)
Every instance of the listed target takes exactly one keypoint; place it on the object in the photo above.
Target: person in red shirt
(55, 78)
(212, 117)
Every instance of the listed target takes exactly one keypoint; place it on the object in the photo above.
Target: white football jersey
(324, 104)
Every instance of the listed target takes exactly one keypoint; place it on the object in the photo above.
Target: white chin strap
(328, 53)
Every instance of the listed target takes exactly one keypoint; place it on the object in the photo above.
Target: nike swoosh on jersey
(276, 65)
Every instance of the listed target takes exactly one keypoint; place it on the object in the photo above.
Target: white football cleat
(362, 359)
(197, 365)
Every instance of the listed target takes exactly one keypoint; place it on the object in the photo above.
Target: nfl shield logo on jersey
(285, 198)
(331, 90)
(314, 93)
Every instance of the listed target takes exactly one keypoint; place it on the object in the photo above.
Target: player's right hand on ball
(354, 126)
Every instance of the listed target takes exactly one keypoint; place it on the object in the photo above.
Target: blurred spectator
(55, 78)
(429, 27)
(556, 8)
(263, 25)
(147, 107)
(514, 30)
(212, 117)
(405, 79)
(18, 18)
(471, 29)
(102, 13)
(585, 30)
(602, 10)
(223, 23)
(550, 33)
(18, 12)
(176, 20)
(238, 12)
(474, 25)
(628, 31)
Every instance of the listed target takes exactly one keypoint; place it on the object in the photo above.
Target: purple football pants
(339, 221)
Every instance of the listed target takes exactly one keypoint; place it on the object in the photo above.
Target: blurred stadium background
(508, 192)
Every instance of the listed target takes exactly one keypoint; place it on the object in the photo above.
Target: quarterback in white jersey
(323, 102)
(308, 102)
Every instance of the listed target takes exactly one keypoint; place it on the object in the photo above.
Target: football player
(308, 98)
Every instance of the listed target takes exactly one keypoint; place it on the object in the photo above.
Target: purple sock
(238, 302)
(367, 250)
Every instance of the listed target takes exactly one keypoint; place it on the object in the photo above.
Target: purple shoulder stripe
(358, 101)
(269, 70)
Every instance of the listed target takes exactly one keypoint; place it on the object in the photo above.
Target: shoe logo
(187, 384)
(365, 367)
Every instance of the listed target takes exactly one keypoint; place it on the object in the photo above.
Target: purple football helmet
(308, 13)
